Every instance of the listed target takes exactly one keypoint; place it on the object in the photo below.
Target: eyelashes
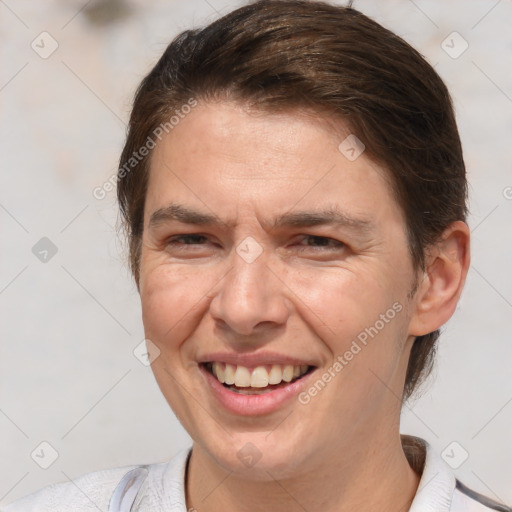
(320, 242)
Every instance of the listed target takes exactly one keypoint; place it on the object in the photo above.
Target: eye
(312, 242)
(320, 242)
(176, 240)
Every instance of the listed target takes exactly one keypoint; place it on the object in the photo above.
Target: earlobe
(443, 280)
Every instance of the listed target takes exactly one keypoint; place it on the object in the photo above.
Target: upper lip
(253, 360)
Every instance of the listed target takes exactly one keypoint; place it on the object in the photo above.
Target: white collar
(437, 481)
(434, 494)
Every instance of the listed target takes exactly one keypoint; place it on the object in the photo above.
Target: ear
(447, 265)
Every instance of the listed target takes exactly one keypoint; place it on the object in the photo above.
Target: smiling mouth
(256, 381)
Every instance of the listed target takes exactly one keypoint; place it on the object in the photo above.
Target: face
(274, 261)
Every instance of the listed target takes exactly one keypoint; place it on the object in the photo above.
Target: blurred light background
(70, 314)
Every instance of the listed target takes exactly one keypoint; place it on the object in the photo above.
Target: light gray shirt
(163, 490)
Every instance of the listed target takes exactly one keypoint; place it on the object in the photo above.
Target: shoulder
(465, 499)
(93, 491)
(89, 491)
(439, 489)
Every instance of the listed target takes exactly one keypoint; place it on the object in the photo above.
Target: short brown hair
(333, 60)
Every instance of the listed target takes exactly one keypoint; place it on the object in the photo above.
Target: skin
(342, 450)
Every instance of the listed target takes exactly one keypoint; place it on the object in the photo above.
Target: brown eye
(177, 240)
(319, 242)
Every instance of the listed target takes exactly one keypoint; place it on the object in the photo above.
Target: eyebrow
(328, 216)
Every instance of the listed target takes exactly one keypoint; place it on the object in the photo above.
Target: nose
(251, 298)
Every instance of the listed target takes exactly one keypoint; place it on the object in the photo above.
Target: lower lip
(254, 405)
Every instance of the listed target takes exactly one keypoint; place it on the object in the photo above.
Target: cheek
(171, 303)
(344, 300)
(360, 319)
(361, 324)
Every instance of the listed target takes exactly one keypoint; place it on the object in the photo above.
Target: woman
(294, 195)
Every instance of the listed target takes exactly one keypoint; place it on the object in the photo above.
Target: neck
(358, 476)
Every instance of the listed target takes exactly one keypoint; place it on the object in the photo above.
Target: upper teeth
(259, 377)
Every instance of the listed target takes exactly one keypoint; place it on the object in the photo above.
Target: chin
(253, 457)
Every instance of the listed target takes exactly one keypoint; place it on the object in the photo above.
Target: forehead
(222, 157)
